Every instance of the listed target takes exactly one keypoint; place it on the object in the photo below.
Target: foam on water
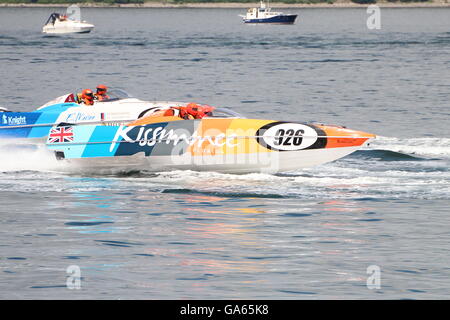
(26, 158)
(388, 168)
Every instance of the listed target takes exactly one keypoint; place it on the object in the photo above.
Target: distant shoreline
(225, 5)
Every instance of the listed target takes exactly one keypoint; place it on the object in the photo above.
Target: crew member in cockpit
(189, 112)
(86, 97)
(101, 93)
(195, 111)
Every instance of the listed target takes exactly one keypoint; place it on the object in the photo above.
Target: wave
(14, 158)
(224, 194)
(384, 149)
(222, 40)
(384, 155)
(429, 148)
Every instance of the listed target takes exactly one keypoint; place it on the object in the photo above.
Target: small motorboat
(264, 14)
(59, 24)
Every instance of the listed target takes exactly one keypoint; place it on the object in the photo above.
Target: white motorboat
(59, 24)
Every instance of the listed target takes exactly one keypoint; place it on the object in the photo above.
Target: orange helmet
(207, 110)
(102, 88)
(193, 109)
(198, 111)
(87, 94)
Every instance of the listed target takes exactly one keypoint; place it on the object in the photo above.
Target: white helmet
(3, 109)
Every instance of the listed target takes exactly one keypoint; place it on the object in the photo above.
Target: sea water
(310, 234)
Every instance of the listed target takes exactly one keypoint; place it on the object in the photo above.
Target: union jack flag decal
(60, 134)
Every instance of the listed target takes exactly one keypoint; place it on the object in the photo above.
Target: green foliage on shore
(110, 2)
(73, 1)
(251, 1)
(408, 1)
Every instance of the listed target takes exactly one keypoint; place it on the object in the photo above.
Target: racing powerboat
(264, 14)
(33, 127)
(127, 134)
(59, 24)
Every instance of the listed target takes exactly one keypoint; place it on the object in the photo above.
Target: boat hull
(66, 31)
(221, 145)
(280, 19)
(252, 163)
(68, 27)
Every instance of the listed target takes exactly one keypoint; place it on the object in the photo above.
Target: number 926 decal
(287, 136)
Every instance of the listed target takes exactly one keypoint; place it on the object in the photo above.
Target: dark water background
(309, 234)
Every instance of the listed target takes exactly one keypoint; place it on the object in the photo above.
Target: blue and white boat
(264, 14)
(33, 127)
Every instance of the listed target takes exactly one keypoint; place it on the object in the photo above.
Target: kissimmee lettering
(150, 136)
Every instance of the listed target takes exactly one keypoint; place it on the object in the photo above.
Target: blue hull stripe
(31, 124)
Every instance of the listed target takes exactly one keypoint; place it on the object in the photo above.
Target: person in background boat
(101, 93)
(86, 97)
(54, 17)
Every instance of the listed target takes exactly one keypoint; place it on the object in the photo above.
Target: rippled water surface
(309, 234)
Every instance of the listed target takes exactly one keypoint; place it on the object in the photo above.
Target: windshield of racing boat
(225, 113)
(116, 94)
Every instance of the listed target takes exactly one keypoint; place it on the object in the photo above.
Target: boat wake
(390, 168)
(428, 148)
(26, 157)
(384, 155)
(29, 157)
